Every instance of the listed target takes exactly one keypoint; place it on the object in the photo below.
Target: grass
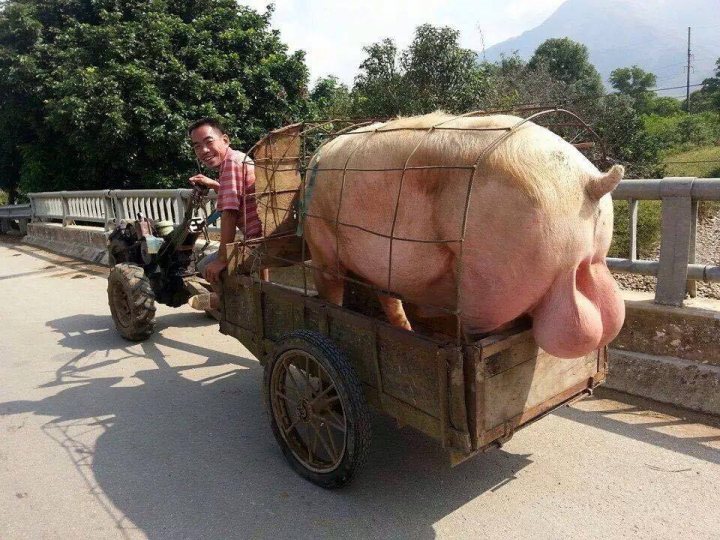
(649, 211)
(708, 154)
(709, 167)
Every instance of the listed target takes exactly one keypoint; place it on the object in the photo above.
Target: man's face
(209, 145)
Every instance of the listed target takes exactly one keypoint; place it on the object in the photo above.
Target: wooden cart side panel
(282, 312)
(409, 369)
(454, 361)
(503, 431)
(416, 380)
(525, 378)
(357, 337)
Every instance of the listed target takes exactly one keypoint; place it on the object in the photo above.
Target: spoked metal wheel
(317, 409)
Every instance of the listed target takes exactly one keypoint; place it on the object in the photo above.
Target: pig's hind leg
(394, 311)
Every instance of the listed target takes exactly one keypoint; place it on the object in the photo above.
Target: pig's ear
(605, 182)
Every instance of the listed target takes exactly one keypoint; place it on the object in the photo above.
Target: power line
(692, 161)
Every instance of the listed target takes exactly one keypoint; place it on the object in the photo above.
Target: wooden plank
(504, 431)
(457, 405)
(356, 336)
(424, 423)
(408, 364)
(523, 349)
(531, 383)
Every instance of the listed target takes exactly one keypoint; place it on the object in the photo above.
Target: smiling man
(235, 189)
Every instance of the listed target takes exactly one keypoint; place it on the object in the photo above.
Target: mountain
(618, 33)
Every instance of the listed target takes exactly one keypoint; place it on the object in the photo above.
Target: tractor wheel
(132, 301)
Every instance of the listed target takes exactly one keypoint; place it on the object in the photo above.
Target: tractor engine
(162, 250)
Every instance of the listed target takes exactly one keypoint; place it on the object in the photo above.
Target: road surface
(102, 438)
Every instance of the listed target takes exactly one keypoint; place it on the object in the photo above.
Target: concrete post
(633, 216)
(692, 284)
(675, 244)
(65, 208)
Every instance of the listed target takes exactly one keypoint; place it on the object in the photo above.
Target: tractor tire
(132, 301)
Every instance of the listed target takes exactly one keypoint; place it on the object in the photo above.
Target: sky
(333, 32)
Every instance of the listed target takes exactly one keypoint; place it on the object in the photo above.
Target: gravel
(707, 249)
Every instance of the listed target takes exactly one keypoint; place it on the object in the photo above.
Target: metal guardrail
(15, 211)
(20, 213)
(676, 270)
(107, 206)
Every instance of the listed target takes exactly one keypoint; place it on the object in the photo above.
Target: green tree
(99, 93)
(568, 61)
(636, 83)
(377, 89)
(434, 72)
(438, 73)
(329, 99)
(665, 106)
(511, 83)
(621, 128)
(710, 92)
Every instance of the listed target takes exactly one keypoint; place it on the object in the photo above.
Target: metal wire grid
(327, 131)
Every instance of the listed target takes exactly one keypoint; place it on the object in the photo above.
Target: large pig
(537, 230)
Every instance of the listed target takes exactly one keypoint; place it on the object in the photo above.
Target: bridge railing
(676, 270)
(14, 213)
(107, 206)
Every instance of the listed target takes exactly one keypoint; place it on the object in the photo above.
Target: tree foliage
(330, 98)
(621, 127)
(708, 97)
(636, 83)
(433, 72)
(568, 61)
(99, 94)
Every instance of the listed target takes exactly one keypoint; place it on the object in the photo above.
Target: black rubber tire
(349, 389)
(132, 301)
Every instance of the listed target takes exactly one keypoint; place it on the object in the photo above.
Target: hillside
(618, 33)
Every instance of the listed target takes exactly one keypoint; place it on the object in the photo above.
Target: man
(236, 201)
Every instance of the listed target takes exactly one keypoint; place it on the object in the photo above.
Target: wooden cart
(324, 364)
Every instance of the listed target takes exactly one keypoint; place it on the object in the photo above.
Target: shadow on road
(178, 457)
(668, 427)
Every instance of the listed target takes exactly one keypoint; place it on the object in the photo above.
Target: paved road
(100, 438)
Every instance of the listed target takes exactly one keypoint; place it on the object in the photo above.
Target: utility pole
(687, 89)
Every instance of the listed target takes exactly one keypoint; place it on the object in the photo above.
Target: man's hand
(202, 180)
(214, 269)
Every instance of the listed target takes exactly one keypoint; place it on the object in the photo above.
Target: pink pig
(538, 226)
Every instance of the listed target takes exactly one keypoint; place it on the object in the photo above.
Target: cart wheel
(132, 301)
(317, 409)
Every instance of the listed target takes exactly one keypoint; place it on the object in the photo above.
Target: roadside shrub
(683, 131)
(648, 229)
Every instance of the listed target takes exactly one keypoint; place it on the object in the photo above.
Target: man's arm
(227, 236)
(228, 225)
(201, 179)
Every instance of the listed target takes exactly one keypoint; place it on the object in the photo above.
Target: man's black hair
(206, 121)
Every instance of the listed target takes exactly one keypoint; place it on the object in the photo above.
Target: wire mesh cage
(289, 164)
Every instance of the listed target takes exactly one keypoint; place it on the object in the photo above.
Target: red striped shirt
(237, 192)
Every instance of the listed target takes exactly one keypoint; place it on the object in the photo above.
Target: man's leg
(202, 265)
(204, 302)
